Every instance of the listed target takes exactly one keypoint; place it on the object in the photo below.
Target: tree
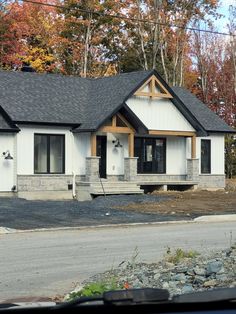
(28, 32)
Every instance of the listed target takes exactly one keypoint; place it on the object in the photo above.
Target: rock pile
(197, 273)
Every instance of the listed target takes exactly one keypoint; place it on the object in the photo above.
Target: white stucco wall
(115, 156)
(81, 151)
(25, 148)
(217, 153)
(175, 155)
(7, 170)
(158, 114)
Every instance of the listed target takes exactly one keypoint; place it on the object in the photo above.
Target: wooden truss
(153, 88)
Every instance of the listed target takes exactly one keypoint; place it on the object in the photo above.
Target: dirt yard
(190, 203)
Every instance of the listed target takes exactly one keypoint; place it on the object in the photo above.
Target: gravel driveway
(22, 214)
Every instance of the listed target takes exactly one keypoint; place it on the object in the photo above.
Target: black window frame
(48, 153)
(208, 171)
(140, 169)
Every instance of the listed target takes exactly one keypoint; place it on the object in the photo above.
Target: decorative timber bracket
(153, 88)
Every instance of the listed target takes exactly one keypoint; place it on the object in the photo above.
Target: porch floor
(182, 182)
(86, 190)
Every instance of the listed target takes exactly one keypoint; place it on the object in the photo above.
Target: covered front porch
(123, 160)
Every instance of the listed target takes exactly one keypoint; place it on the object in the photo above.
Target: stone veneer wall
(50, 182)
(111, 177)
(130, 168)
(211, 181)
(160, 178)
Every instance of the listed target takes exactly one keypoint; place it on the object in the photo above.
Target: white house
(64, 137)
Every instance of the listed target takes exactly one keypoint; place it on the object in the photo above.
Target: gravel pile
(218, 269)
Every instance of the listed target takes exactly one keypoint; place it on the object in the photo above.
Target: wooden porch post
(131, 144)
(93, 143)
(193, 147)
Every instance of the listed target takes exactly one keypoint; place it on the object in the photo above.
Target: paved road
(49, 263)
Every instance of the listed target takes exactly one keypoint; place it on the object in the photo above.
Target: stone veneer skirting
(51, 182)
(211, 181)
(159, 178)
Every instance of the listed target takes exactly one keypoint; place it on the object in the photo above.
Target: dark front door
(151, 153)
(102, 152)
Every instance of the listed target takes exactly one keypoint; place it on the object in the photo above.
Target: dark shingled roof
(5, 125)
(207, 118)
(85, 103)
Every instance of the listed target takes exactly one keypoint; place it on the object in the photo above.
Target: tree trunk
(86, 46)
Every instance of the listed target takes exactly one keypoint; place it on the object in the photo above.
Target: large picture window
(151, 153)
(49, 153)
(205, 156)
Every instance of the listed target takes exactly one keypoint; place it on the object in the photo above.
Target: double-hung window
(49, 154)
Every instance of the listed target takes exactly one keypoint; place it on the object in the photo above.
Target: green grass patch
(96, 288)
(179, 255)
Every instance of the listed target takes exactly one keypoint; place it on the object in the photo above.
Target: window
(151, 153)
(49, 153)
(205, 156)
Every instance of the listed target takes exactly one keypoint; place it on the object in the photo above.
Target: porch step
(117, 187)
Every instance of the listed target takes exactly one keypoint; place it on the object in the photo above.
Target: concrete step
(114, 189)
(116, 192)
(117, 187)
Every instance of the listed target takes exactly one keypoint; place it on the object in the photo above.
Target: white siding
(217, 153)
(81, 151)
(25, 148)
(7, 173)
(115, 156)
(159, 114)
(176, 155)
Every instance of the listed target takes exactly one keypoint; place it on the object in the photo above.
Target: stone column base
(192, 170)
(92, 169)
(130, 168)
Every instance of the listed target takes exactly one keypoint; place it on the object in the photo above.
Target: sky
(221, 24)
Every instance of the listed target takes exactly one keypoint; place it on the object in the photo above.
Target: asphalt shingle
(207, 118)
(82, 102)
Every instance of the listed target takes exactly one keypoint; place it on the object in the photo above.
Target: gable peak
(153, 88)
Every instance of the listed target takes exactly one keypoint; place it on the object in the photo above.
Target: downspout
(15, 187)
(73, 185)
(73, 172)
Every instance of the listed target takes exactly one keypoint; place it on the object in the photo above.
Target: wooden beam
(131, 144)
(193, 147)
(93, 143)
(113, 121)
(117, 129)
(125, 121)
(172, 133)
(153, 93)
(146, 83)
(152, 87)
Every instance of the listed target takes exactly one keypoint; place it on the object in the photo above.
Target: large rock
(214, 267)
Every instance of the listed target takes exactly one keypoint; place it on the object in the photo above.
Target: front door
(151, 153)
(102, 153)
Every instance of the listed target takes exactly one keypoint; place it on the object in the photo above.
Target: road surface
(50, 263)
